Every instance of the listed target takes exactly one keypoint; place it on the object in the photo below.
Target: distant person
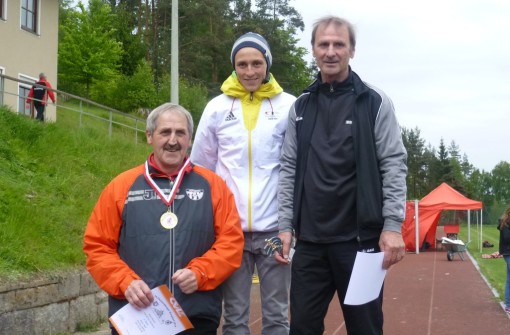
(39, 94)
(342, 186)
(239, 136)
(504, 249)
(166, 221)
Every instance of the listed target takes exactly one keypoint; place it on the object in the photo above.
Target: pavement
(424, 294)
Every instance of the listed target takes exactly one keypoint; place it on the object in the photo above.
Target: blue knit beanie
(256, 41)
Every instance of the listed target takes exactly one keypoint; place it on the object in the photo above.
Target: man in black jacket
(342, 187)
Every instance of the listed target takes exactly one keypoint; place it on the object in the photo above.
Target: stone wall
(50, 305)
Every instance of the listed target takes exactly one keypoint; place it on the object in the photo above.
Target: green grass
(74, 114)
(50, 178)
(494, 269)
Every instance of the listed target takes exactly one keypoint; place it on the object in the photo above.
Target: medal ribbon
(170, 198)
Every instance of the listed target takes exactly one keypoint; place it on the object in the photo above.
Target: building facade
(28, 46)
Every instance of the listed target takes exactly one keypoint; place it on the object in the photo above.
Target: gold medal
(168, 220)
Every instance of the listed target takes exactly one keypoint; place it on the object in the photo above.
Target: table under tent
(422, 228)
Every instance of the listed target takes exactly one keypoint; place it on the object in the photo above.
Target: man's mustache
(174, 147)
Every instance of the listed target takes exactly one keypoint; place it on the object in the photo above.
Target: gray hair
(337, 21)
(169, 107)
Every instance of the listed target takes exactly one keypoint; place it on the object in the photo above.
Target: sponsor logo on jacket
(230, 117)
(194, 194)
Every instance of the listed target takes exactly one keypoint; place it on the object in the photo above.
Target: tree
(134, 50)
(444, 168)
(136, 91)
(501, 182)
(455, 176)
(466, 167)
(205, 38)
(193, 96)
(88, 52)
(416, 164)
(454, 151)
(278, 22)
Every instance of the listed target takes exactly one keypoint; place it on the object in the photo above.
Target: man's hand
(286, 238)
(186, 280)
(393, 246)
(138, 294)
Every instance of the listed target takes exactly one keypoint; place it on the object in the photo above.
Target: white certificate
(366, 279)
(163, 316)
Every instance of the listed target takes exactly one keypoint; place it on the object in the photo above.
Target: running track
(426, 294)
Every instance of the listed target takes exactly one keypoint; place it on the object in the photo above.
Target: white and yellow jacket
(240, 136)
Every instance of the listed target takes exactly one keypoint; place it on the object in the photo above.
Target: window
(22, 106)
(29, 15)
(2, 9)
(2, 85)
(23, 90)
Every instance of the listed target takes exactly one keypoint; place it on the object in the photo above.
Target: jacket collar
(232, 87)
(353, 81)
(155, 170)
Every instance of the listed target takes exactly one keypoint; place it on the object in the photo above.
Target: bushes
(131, 94)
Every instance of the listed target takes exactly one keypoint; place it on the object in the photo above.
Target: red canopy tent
(441, 198)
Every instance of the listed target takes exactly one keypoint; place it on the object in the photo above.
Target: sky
(445, 64)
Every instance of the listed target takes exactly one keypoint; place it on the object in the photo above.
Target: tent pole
(481, 228)
(417, 226)
(477, 228)
(469, 226)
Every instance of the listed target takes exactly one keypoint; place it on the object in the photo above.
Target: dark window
(1, 85)
(23, 108)
(2, 9)
(29, 15)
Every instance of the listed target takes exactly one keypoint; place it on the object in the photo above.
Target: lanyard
(170, 198)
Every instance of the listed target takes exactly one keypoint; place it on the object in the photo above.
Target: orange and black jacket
(124, 239)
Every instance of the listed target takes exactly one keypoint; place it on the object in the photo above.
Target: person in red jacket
(39, 94)
(169, 222)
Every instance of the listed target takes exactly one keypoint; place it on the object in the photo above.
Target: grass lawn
(51, 175)
(493, 269)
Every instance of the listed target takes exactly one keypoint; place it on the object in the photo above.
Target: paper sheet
(450, 241)
(366, 279)
(163, 316)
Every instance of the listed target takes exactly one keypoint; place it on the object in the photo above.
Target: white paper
(163, 316)
(366, 279)
(291, 254)
(450, 241)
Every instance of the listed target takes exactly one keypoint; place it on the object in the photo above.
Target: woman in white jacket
(239, 136)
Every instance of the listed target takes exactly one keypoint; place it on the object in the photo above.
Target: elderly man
(166, 222)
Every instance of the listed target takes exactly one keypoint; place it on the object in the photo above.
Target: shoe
(507, 310)
(255, 279)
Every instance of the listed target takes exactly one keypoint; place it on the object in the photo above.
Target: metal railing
(84, 108)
